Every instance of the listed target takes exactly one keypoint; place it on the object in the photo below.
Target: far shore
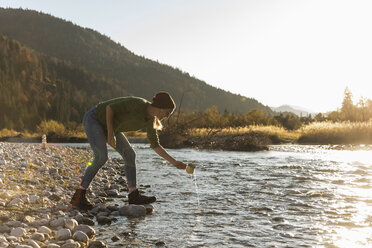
(249, 138)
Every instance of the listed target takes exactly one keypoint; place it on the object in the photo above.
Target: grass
(314, 133)
(278, 134)
(337, 133)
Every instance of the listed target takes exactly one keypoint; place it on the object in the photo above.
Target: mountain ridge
(110, 63)
(293, 109)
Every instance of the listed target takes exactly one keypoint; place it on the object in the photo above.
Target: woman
(106, 122)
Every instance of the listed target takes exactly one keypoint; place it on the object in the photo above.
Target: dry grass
(315, 133)
(271, 131)
(8, 133)
(337, 133)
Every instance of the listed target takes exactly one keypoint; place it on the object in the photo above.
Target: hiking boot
(136, 198)
(79, 200)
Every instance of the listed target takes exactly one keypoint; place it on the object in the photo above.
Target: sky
(297, 52)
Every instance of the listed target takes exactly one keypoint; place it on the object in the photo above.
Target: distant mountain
(90, 67)
(293, 109)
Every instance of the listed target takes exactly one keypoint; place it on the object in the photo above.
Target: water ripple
(290, 196)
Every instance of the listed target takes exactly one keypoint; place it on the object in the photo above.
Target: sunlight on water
(196, 188)
(296, 196)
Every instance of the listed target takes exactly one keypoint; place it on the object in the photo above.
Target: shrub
(51, 127)
(8, 133)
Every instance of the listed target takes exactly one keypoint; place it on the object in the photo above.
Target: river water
(289, 196)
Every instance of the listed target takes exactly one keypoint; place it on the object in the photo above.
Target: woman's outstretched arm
(164, 154)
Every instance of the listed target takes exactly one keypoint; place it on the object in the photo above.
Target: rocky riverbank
(36, 185)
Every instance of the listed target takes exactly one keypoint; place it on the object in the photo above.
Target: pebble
(33, 243)
(63, 234)
(97, 244)
(133, 211)
(80, 236)
(71, 223)
(44, 230)
(53, 246)
(18, 232)
(40, 182)
(38, 236)
(23, 246)
(85, 229)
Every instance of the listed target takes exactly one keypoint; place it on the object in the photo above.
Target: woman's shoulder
(127, 100)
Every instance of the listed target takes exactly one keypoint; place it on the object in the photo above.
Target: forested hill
(35, 87)
(65, 54)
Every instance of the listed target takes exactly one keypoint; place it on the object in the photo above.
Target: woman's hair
(162, 100)
(157, 124)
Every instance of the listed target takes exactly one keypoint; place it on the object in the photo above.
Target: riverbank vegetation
(212, 129)
(351, 124)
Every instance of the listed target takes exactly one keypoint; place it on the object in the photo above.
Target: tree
(348, 108)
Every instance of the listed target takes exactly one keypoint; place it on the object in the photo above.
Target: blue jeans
(97, 138)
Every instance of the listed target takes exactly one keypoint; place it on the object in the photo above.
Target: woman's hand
(112, 142)
(180, 165)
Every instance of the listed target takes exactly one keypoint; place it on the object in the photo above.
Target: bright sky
(297, 52)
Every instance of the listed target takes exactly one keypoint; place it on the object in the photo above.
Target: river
(289, 196)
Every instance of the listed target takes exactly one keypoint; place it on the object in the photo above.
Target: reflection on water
(289, 196)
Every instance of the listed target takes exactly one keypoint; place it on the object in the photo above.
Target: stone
(115, 213)
(15, 223)
(44, 230)
(113, 208)
(112, 193)
(84, 220)
(23, 246)
(103, 220)
(38, 236)
(63, 234)
(97, 244)
(4, 244)
(15, 202)
(160, 243)
(71, 245)
(115, 238)
(4, 218)
(28, 219)
(60, 222)
(33, 243)
(85, 229)
(80, 236)
(4, 229)
(52, 246)
(38, 223)
(18, 232)
(5, 195)
(2, 239)
(149, 208)
(71, 224)
(132, 211)
(54, 197)
(103, 214)
(34, 198)
(12, 238)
